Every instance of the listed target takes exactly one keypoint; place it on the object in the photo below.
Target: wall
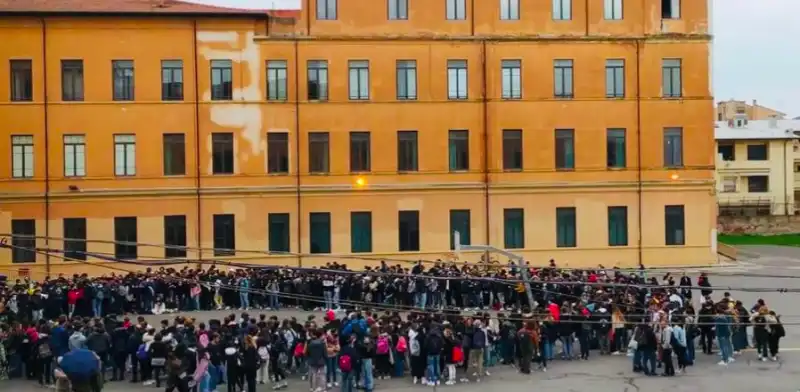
(644, 186)
(759, 224)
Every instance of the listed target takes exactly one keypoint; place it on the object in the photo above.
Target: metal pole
(526, 280)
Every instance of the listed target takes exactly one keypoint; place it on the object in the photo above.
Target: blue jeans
(347, 381)
(195, 303)
(366, 374)
(649, 358)
(330, 369)
(433, 368)
(420, 299)
(273, 301)
(328, 299)
(97, 307)
(567, 341)
(399, 365)
(548, 350)
(725, 347)
(244, 299)
(637, 359)
(740, 339)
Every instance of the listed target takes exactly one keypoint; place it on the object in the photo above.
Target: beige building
(728, 110)
(756, 166)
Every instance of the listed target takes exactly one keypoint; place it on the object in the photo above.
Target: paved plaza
(614, 374)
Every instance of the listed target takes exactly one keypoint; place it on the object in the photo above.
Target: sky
(755, 52)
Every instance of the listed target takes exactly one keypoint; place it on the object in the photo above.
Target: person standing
(315, 359)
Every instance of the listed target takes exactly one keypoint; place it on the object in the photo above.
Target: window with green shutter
(459, 222)
(278, 226)
(320, 228)
(514, 228)
(361, 232)
(565, 227)
(617, 226)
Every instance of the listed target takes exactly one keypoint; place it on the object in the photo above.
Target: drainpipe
(472, 20)
(485, 125)
(298, 194)
(198, 184)
(46, 150)
(639, 145)
(785, 181)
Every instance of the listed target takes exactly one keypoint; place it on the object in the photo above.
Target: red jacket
(74, 295)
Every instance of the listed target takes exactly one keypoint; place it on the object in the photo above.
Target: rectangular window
(125, 155)
(562, 9)
(326, 9)
(21, 80)
(125, 238)
(459, 222)
(514, 228)
(174, 154)
(278, 152)
(359, 152)
(23, 241)
(406, 80)
(174, 236)
(318, 152)
(563, 78)
(673, 147)
(398, 9)
(512, 79)
(172, 80)
(670, 9)
(456, 9)
(22, 156)
(75, 238)
(729, 184)
(618, 226)
(359, 80)
(565, 227)
(72, 80)
(565, 149)
(512, 149)
(361, 232)
(123, 79)
(671, 78)
(279, 232)
(615, 148)
(407, 150)
(224, 235)
(615, 78)
(758, 184)
(408, 230)
(276, 80)
(74, 155)
(221, 80)
(674, 225)
(509, 9)
(222, 153)
(757, 152)
(457, 79)
(320, 231)
(727, 151)
(317, 80)
(612, 9)
(458, 146)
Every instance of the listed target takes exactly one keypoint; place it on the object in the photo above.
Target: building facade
(352, 131)
(755, 161)
(733, 109)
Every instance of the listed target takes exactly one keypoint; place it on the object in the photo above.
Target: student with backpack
(383, 356)
(44, 357)
(400, 358)
(415, 353)
(347, 359)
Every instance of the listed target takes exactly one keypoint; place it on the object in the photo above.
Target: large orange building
(354, 130)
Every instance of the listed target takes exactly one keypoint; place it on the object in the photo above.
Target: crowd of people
(449, 323)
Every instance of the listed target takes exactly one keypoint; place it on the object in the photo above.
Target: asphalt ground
(614, 373)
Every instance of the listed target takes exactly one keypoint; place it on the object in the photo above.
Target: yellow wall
(485, 189)
(779, 167)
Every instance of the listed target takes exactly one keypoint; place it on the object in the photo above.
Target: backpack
(383, 345)
(402, 345)
(673, 341)
(458, 354)
(345, 364)
(141, 352)
(415, 349)
(44, 350)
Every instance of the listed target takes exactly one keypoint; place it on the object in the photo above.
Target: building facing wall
(731, 109)
(355, 138)
(755, 161)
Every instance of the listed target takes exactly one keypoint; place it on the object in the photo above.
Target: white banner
(266, 5)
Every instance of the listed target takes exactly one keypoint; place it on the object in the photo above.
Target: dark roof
(154, 7)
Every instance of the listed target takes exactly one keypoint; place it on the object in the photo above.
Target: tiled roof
(127, 6)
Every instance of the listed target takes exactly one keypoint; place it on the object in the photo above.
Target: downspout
(485, 125)
(639, 146)
(586, 16)
(298, 194)
(198, 184)
(472, 20)
(785, 180)
(308, 18)
(46, 150)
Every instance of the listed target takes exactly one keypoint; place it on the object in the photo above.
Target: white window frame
(124, 155)
(22, 156)
(613, 80)
(327, 9)
(406, 80)
(509, 9)
(457, 80)
(74, 155)
(612, 10)
(277, 82)
(672, 78)
(456, 9)
(397, 9)
(562, 9)
(358, 81)
(511, 73)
